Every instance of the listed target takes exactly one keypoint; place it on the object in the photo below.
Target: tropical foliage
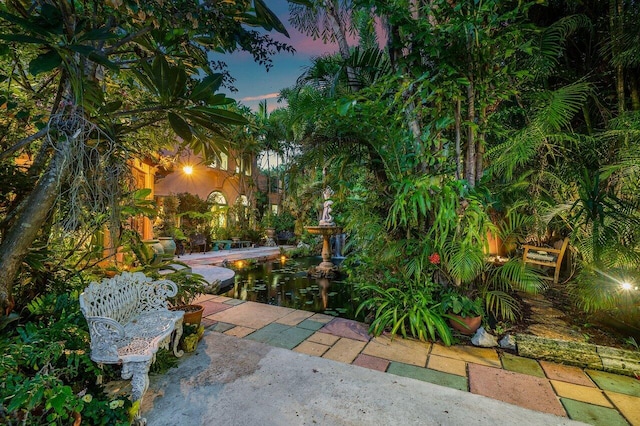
(475, 118)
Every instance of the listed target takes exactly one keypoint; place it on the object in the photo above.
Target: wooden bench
(128, 322)
(543, 256)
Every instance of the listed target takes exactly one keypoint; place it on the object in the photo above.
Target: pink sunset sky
(254, 83)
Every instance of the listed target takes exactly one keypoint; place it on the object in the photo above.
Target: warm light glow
(283, 258)
(627, 286)
(188, 170)
(239, 264)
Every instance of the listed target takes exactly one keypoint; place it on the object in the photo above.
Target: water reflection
(285, 283)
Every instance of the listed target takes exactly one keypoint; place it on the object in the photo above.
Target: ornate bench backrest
(125, 296)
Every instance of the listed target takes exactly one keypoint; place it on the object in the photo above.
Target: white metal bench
(128, 322)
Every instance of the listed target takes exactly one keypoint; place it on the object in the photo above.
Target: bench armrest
(105, 334)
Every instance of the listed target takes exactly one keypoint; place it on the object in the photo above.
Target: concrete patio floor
(263, 364)
(316, 375)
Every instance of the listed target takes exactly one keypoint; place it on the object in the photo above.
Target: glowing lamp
(627, 286)
(188, 170)
(283, 258)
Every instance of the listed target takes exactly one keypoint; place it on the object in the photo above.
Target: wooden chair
(549, 257)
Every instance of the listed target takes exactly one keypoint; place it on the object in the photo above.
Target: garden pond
(286, 283)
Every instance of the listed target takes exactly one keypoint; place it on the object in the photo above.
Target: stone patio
(590, 396)
(582, 394)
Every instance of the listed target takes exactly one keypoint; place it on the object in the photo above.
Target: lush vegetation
(518, 119)
(86, 88)
(510, 119)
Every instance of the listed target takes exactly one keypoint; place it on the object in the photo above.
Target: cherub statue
(326, 219)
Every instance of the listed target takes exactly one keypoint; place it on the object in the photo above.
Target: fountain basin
(323, 230)
(326, 268)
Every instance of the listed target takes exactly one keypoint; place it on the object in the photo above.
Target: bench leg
(138, 372)
(176, 340)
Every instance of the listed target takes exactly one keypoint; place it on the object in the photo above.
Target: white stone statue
(326, 219)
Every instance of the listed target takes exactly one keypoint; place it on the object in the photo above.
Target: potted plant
(190, 285)
(464, 312)
(165, 226)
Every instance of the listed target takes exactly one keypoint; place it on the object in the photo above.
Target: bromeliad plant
(408, 309)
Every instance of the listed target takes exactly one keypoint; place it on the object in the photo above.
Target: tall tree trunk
(481, 143)
(470, 163)
(340, 33)
(635, 95)
(27, 227)
(616, 31)
(458, 119)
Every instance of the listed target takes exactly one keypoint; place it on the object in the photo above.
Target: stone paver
(371, 362)
(322, 318)
(593, 414)
(290, 338)
(211, 307)
(515, 388)
(447, 365)
(580, 393)
(268, 333)
(347, 328)
(234, 302)
(323, 338)
(615, 383)
(482, 356)
(311, 325)
(344, 350)
(221, 327)
(427, 375)
(251, 314)
(239, 331)
(208, 323)
(566, 373)
(203, 297)
(406, 351)
(522, 365)
(629, 406)
(311, 348)
(294, 318)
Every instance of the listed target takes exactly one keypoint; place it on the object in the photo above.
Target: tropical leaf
(180, 126)
(206, 88)
(45, 62)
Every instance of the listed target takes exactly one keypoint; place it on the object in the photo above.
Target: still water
(287, 284)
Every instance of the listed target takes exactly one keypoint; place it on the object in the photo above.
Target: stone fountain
(326, 228)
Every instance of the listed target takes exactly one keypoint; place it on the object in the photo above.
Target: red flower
(434, 259)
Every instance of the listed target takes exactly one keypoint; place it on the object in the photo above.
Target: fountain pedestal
(326, 267)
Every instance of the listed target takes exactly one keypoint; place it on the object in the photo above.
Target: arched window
(243, 200)
(222, 162)
(219, 208)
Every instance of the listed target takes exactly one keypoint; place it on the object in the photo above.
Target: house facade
(231, 179)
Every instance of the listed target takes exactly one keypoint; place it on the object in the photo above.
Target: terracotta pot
(471, 324)
(192, 313)
(271, 232)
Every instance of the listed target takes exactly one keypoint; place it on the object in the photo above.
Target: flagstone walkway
(590, 396)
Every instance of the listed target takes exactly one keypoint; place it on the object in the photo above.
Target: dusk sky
(254, 83)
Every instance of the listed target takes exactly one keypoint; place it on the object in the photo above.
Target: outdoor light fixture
(628, 286)
(188, 170)
(283, 258)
